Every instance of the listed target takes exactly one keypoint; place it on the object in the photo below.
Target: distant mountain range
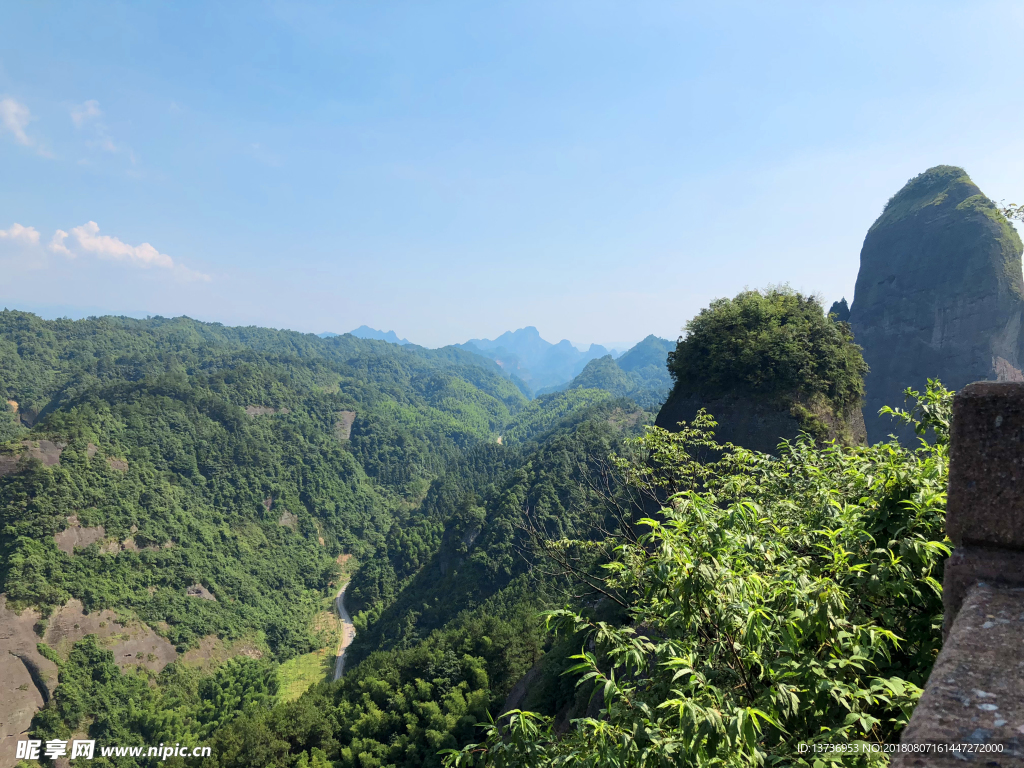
(366, 332)
(539, 363)
(539, 366)
(640, 374)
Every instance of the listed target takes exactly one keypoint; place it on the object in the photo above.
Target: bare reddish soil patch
(198, 590)
(343, 424)
(25, 676)
(128, 545)
(212, 652)
(346, 567)
(263, 410)
(118, 464)
(77, 536)
(621, 419)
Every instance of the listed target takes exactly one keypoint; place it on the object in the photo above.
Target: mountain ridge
(366, 332)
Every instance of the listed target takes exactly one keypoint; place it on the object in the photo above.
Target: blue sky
(454, 170)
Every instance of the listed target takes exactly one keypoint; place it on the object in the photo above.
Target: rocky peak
(841, 310)
(939, 293)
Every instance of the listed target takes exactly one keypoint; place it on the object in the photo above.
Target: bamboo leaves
(777, 603)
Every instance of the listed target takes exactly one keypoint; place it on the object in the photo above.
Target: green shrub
(769, 344)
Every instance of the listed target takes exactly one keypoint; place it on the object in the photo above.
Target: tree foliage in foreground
(772, 603)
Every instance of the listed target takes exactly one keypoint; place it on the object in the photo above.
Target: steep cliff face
(761, 425)
(939, 293)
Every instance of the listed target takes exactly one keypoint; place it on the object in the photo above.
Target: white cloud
(83, 113)
(90, 240)
(87, 239)
(57, 243)
(21, 244)
(19, 234)
(15, 116)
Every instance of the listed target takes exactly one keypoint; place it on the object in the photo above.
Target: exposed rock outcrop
(762, 425)
(263, 410)
(939, 294)
(78, 536)
(200, 591)
(45, 451)
(28, 679)
(343, 424)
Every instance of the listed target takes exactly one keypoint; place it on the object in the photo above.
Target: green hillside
(640, 374)
(215, 479)
(650, 353)
(153, 463)
(158, 448)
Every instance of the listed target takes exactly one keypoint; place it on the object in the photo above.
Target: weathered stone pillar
(972, 709)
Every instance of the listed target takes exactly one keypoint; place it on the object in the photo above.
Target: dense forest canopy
(158, 447)
(190, 460)
(705, 605)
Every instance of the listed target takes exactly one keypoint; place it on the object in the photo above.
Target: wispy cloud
(15, 116)
(83, 113)
(89, 114)
(14, 119)
(19, 234)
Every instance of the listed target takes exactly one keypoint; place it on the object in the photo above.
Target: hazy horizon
(54, 312)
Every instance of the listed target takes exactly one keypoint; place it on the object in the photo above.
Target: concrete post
(972, 709)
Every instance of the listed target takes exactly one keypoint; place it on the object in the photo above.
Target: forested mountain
(366, 332)
(648, 357)
(180, 502)
(202, 483)
(771, 365)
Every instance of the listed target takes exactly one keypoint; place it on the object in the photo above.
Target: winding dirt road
(348, 633)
